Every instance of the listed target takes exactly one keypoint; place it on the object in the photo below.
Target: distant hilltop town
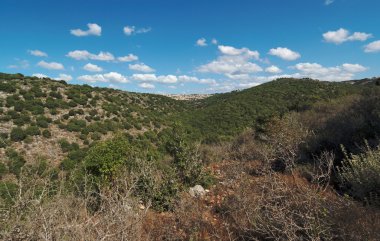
(188, 96)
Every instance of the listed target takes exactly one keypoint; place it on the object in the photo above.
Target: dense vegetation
(112, 153)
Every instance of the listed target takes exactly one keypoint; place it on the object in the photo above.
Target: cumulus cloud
(141, 67)
(337, 73)
(273, 69)
(92, 68)
(113, 77)
(201, 42)
(147, 86)
(37, 53)
(372, 47)
(64, 77)
(354, 68)
(285, 53)
(39, 75)
(229, 50)
(131, 30)
(85, 55)
(51, 65)
(328, 2)
(171, 79)
(128, 58)
(343, 35)
(93, 29)
(232, 62)
(214, 41)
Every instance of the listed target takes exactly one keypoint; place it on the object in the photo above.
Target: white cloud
(228, 50)
(338, 73)
(232, 62)
(343, 35)
(144, 30)
(64, 77)
(85, 55)
(128, 58)
(171, 79)
(37, 53)
(147, 86)
(284, 53)
(141, 67)
(192, 79)
(354, 68)
(273, 69)
(51, 65)
(145, 77)
(39, 75)
(201, 42)
(93, 29)
(328, 2)
(130, 30)
(109, 77)
(214, 41)
(372, 47)
(92, 68)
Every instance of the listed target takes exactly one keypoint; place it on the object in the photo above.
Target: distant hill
(223, 115)
(39, 116)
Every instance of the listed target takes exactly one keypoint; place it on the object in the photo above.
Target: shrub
(187, 162)
(7, 87)
(46, 133)
(105, 159)
(67, 146)
(16, 161)
(361, 175)
(32, 131)
(18, 134)
(3, 169)
(8, 191)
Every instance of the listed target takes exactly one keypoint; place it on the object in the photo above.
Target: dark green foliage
(67, 146)
(18, 134)
(3, 170)
(76, 125)
(46, 133)
(7, 87)
(16, 161)
(32, 131)
(8, 192)
(222, 116)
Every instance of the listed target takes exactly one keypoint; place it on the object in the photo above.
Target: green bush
(33, 131)
(46, 133)
(3, 169)
(67, 146)
(16, 161)
(361, 175)
(8, 192)
(18, 134)
(106, 159)
(7, 87)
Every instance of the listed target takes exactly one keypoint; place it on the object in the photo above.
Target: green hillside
(224, 115)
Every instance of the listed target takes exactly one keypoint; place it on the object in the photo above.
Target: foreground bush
(361, 175)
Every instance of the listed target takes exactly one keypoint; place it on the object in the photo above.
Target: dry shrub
(191, 220)
(274, 209)
(279, 147)
(277, 207)
(35, 215)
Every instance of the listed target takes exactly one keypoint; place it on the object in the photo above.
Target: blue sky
(177, 46)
